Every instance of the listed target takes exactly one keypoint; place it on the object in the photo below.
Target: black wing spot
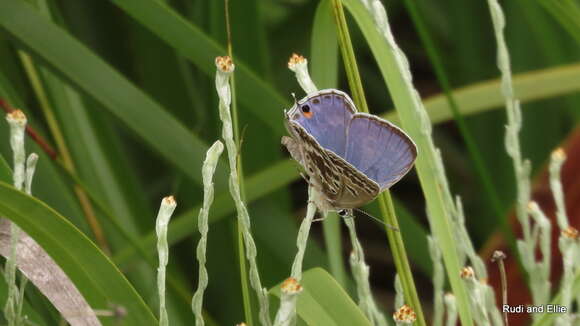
(316, 101)
(305, 108)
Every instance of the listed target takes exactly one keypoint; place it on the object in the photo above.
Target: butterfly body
(349, 157)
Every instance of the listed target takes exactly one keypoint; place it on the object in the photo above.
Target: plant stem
(348, 57)
(400, 255)
(238, 227)
(385, 201)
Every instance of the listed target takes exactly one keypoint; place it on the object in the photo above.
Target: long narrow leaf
(193, 44)
(88, 72)
(96, 277)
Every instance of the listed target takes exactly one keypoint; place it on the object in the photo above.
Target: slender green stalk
(395, 69)
(348, 57)
(239, 228)
(385, 201)
(208, 170)
(240, 171)
(166, 209)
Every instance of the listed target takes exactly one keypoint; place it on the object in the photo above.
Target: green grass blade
(403, 95)
(201, 50)
(324, 48)
(486, 96)
(324, 302)
(567, 13)
(89, 73)
(385, 200)
(481, 170)
(49, 183)
(5, 171)
(96, 277)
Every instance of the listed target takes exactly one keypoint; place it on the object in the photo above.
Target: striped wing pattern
(342, 184)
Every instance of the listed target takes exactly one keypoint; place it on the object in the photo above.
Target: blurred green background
(136, 129)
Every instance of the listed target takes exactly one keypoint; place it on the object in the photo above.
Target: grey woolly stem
(30, 169)
(438, 282)
(569, 247)
(451, 308)
(22, 252)
(557, 160)
(302, 239)
(165, 211)
(17, 121)
(538, 271)
(223, 89)
(208, 170)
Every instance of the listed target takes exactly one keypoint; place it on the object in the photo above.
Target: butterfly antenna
(377, 220)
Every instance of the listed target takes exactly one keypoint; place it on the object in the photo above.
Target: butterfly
(349, 157)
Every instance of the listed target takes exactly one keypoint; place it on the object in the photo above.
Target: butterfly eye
(306, 110)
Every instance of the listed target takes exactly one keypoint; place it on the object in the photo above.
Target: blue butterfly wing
(380, 150)
(325, 116)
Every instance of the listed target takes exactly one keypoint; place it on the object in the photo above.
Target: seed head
(224, 64)
(291, 286)
(17, 117)
(405, 315)
(295, 60)
(571, 233)
(467, 272)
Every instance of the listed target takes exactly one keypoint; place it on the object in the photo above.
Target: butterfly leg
(320, 219)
